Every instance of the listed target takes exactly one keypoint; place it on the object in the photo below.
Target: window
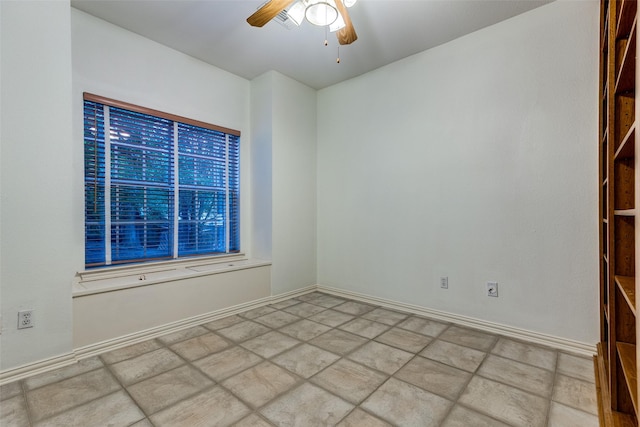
(157, 186)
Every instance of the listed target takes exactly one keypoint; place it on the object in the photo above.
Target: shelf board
(624, 212)
(626, 79)
(627, 286)
(627, 147)
(627, 355)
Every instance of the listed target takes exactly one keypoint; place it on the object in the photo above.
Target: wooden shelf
(619, 210)
(627, 355)
(626, 78)
(627, 147)
(627, 286)
(628, 9)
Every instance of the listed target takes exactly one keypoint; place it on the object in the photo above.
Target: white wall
(476, 160)
(294, 185)
(283, 117)
(38, 206)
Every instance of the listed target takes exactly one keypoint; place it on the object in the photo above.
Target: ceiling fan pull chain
(326, 41)
(338, 59)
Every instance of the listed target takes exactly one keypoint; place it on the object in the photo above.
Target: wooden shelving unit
(617, 359)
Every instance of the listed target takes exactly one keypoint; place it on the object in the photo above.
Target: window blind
(162, 188)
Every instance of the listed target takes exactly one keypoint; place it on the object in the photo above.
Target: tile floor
(314, 360)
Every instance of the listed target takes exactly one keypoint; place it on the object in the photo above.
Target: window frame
(175, 256)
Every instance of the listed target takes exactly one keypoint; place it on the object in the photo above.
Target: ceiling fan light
(349, 3)
(321, 13)
(338, 24)
(296, 12)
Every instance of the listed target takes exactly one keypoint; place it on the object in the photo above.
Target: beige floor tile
(201, 346)
(304, 309)
(306, 405)
(114, 410)
(276, 319)
(435, 377)
(258, 385)
(576, 367)
(10, 390)
(253, 420)
(243, 331)
(168, 388)
(423, 326)
(227, 362)
(526, 353)
(328, 301)
(257, 312)
(349, 380)
(331, 318)
(130, 351)
(529, 378)
(463, 417)
(13, 412)
(505, 403)
(143, 423)
(381, 357)
(310, 296)
(388, 317)
(146, 365)
(224, 322)
(455, 355)
(364, 328)
(215, 407)
(564, 416)
(81, 367)
(284, 304)
(576, 393)
(58, 397)
(305, 360)
(338, 342)
(469, 338)
(404, 340)
(407, 405)
(270, 344)
(182, 335)
(360, 418)
(304, 330)
(354, 308)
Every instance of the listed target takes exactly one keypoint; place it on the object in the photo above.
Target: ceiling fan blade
(267, 12)
(346, 35)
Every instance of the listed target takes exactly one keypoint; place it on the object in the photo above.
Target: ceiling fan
(332, 13)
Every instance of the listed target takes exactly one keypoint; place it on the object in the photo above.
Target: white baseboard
(558, 343)
(39, 367)
(15, 374)
(46, 365)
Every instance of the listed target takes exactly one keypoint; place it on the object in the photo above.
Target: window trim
(144, 110)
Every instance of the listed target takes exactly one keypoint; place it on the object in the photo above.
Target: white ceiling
(216, 32)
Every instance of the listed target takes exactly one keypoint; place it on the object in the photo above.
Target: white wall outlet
(444, 282)
(492, 289)
(25, 319)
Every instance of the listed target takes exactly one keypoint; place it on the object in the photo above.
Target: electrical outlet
(25, 319)
(444, 282)
(492, 289)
